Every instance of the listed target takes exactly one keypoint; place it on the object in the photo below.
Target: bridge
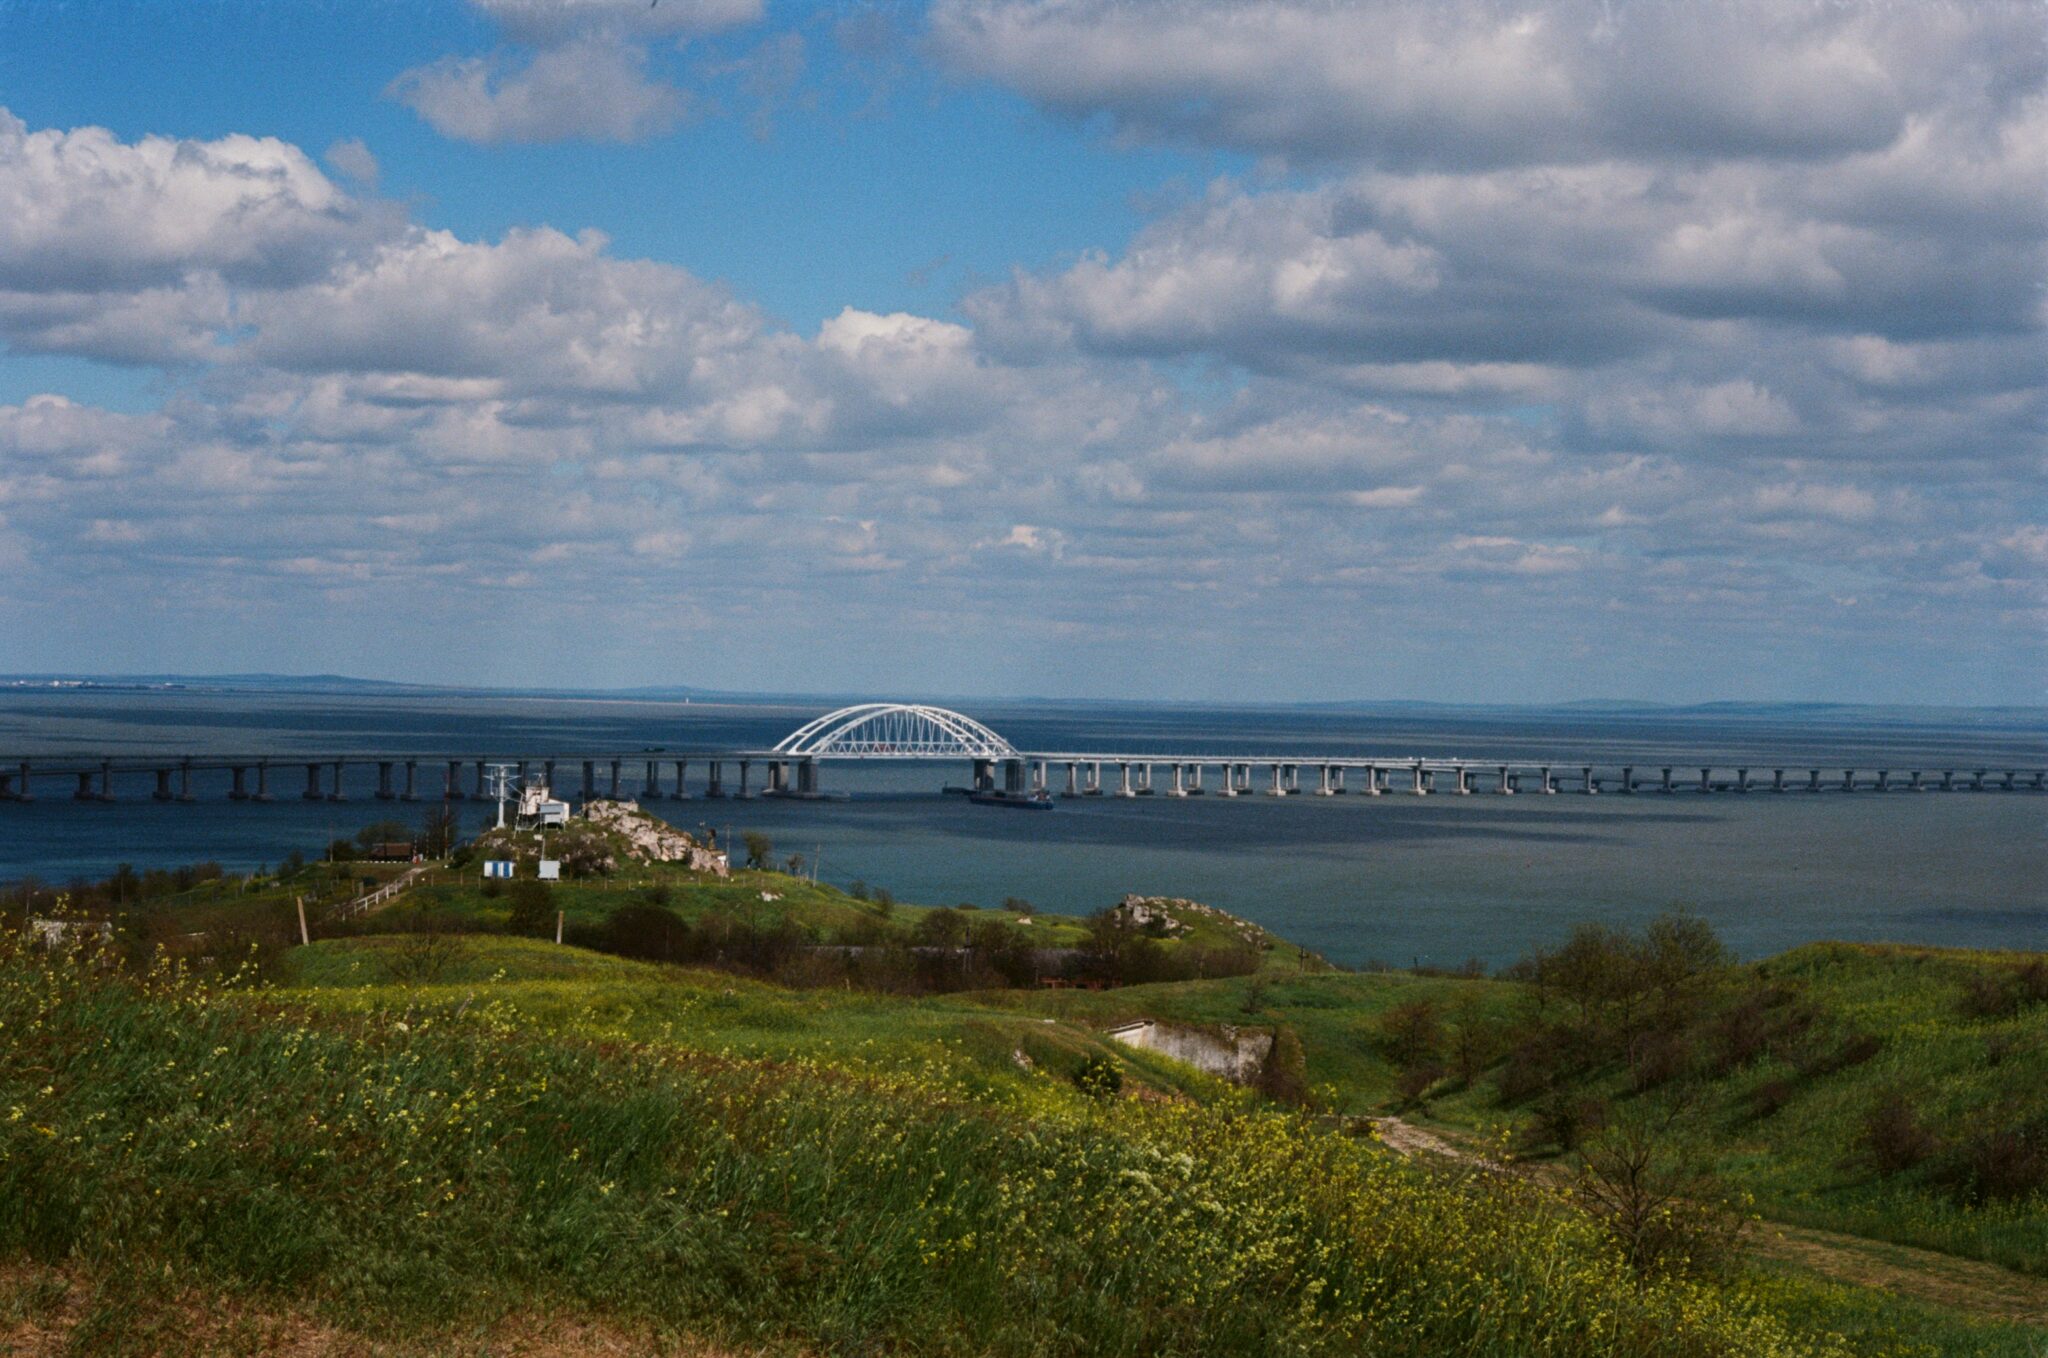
(910, 731)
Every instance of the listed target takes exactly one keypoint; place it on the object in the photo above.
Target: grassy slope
(404, 1172)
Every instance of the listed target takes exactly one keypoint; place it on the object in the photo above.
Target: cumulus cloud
(591, 88)
(1410, 83)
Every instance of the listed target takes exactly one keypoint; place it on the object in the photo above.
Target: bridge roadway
(911, 731)
(409, 778)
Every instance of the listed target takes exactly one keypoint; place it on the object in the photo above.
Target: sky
(1278, 350)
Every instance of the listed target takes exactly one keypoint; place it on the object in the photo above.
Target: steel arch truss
(894, 731)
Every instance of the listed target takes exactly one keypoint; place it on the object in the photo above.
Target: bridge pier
(1505, 789)
(1913, 783)
(589, 781)
(1586, 772)
(1742, 780)
(547, 775)
(1229, 788)
(22, 793)
(313, 792)
(185, 781)
(807, 777)
(1706, 780)
(1547, 783)
(1420, 784)
(1848, 780)
(714, 785)
(6, 786)
(163, 786)
(1279, 786)
(1777, 780)
(84, 793)
(1179, 787)
(1013, 777)
(384, 789)
(1123, 780)
(412, 781)
(650, 785)
(262, 781)
(615, 778)
(1372, 780)
(1977, 781)
(1323, 788)
(1195, 779)
(1884, 779)
(1948, 780)
(1073, 779)
(335, 794)
(1813, 780)
(1628, 779)
(1664, 784)
(743, 795)
(1094, 788)
(682, 792)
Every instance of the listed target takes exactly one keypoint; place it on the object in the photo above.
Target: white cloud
(352, 158)
(593, 87)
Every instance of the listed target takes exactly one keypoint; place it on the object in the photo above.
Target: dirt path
(1966, 1285)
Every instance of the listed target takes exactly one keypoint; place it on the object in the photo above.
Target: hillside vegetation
(751, 1109)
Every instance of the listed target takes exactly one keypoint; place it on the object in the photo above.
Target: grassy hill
(422, 1127)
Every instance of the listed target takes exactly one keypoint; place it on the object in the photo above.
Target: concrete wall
(1239, 1057)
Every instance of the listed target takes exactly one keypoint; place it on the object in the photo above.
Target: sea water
(1395, 878)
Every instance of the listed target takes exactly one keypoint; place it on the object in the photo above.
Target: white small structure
(538, 809)
(57, 933)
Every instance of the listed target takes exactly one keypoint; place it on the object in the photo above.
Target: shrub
(1284, 1077)
(1099, 1077)
(649, 932)
(1892, 1138)
(1415, 1082)
(533, 908)
(1411, 1033)
(1657, 1059)
(1649, 1191)
(1770, 1096)
(1563, 1119)
(2005, 1164)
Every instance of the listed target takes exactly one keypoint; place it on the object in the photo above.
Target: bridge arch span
(894, 731)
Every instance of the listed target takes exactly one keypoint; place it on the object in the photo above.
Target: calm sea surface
(1393, 878)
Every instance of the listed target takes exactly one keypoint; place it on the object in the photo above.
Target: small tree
(1099, 1078)
(759, 846)
(1650, 1191)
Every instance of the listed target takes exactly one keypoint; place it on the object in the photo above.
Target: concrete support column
(451, 782)
(384, 789)
(1884, 780)
(185, 781)
(519, 772)
(2007, 784)
(1421, 787)
(589, 781)
(1229, 788)
(1279, 787)
(334, 793)
(84, 793)
(1948, 780)
(746, 765)
(481, 791)
(1073, 779)
(1337, 778)
(1194, 778)
(650, 786)
(1586, 773)
(1145, 776)
(1545, 782)
(1464, 781)
(1095, 779)
(1742, 780)
(1372, 780)
(1706, 780)
(1506, 788)
(1628, 778)
(1913, 783)
(22, 794)
(262, 781)
(412, 785)
(1123, 781)
(682, 792)
(1013, 777)
(1323, 788)
(163, 786)
(807, 777)
(1848, 780)
(1180, 782)
(6, 787)
(313, 793)
(714, 785)
(615, 778)
(1977, 781)
(1813, 780)
(1777, 780)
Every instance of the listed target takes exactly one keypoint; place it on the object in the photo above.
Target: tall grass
(407, 1175)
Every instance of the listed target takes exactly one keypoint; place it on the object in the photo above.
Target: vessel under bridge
(919, 732)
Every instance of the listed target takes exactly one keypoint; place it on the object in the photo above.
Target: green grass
(410, 1172)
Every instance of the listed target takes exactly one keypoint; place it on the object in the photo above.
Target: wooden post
(558, 924)
(305, 939)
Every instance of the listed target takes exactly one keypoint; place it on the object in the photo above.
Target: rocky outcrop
(653, 841)
(1167, 917)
